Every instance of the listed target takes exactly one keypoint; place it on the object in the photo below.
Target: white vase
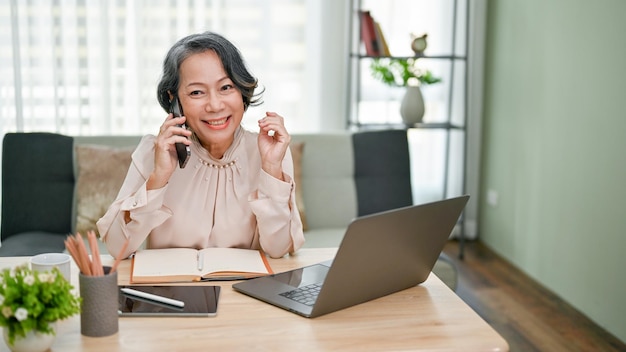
(34, 341)
(412, 106)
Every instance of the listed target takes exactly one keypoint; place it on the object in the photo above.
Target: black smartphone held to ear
(182, 150)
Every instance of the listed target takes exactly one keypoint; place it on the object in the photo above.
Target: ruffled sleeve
(278, 220)
(145, 208)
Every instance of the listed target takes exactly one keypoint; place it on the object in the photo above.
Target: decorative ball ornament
(418, 44)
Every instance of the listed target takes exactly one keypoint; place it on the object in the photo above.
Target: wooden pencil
(71, 248)
(82, 253)
(96, 262)
(118, 259)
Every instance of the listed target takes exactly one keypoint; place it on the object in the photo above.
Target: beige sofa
(340, 176)
(337, 173)
(328, 198)
(328, 192)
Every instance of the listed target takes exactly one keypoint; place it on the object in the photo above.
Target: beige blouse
(230, 202)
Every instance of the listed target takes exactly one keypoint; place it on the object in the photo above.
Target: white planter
(412, 106)
(33, 342)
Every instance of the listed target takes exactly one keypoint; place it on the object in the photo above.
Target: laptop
(380, 254)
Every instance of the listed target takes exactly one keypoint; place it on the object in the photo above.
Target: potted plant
(403, 72)
(30, 304)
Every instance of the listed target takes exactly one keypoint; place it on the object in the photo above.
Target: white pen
(150, 296)
(200, 261)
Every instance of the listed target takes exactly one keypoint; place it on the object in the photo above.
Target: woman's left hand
(273, 143)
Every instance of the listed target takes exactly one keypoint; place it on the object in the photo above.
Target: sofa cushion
(324, 238)
(101, 171)
(33, 242)
(328, 188)
(296, 155)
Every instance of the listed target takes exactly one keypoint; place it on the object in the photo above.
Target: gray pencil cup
(98, 316)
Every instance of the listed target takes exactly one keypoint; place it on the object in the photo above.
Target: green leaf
(399, 71)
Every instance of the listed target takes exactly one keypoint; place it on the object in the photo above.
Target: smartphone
(182, 150)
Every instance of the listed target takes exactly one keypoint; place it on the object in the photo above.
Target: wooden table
(426, 317)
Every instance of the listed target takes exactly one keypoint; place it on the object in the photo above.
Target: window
(89, 67)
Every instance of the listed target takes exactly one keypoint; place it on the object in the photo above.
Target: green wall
(554, 145)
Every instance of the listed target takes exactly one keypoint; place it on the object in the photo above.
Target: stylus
(200, 261)
(150, 296)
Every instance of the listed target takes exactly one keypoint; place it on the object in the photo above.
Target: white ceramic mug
(48, 261)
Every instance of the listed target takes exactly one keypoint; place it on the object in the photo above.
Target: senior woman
(237, 189)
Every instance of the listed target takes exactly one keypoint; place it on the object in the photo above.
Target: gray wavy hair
(231, 58)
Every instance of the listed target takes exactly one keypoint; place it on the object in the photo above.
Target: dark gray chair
(382, 170)
(37, 193)
(386, 183)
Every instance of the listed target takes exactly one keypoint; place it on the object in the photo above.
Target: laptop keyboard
(305, 294)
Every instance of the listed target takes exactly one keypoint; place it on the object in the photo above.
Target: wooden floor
(527, 315)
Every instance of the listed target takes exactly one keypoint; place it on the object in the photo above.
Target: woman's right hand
(165, 159)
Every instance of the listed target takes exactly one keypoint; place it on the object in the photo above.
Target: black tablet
(169, 301)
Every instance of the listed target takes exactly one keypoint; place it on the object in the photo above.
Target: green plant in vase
(34, 301)
(403, 72)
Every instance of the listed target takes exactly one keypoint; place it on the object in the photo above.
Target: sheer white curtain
(90, 67)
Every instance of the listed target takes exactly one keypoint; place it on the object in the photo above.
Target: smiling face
(211, 102)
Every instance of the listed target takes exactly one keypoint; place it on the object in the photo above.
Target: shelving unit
(375, 106)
